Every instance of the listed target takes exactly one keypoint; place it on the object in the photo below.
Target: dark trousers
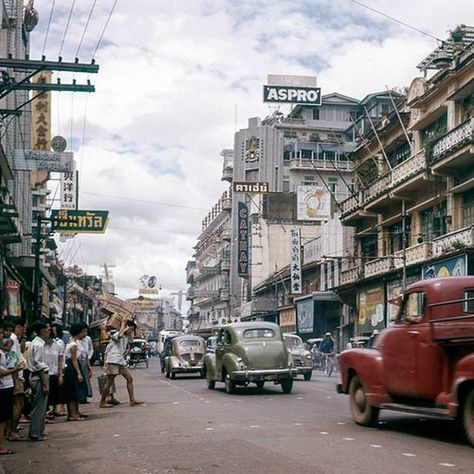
(39, 405)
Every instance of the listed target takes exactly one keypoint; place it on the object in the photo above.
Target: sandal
(6, 451)
(16, 439)
(81, 418)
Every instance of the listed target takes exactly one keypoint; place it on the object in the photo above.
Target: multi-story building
(413, 206)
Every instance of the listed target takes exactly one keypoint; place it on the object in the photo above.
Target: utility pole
(36, 281)
(404, 248)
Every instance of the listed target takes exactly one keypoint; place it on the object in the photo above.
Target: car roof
(188, 337)
(251, 325)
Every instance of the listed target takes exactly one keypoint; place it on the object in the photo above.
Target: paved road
(186, 428)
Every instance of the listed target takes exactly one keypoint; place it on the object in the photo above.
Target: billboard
(313, 203)
(305, 315)
(243, 240)
(456, 266)
(288, 320)
(79, 221)
(371, 309)
(292, 95)
(41, 114)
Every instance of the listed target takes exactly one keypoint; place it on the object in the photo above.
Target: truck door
(400, 349)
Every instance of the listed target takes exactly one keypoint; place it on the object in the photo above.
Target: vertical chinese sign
(41, 115)
(243, 240)
(295, 261)
(69, 190)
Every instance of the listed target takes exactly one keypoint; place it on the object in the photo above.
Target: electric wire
(105, 27)
(85, 28)
(67, 27)
(47, 28)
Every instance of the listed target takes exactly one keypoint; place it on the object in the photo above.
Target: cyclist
(327, 344)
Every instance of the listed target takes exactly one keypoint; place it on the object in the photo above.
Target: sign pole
(36, 281)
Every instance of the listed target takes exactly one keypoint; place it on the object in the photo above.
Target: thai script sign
(250, 187)
(292, 95)
(84, 222)
(313, 203)
(295, 261)
(243, 240)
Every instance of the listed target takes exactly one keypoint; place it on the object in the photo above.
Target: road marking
(201, 399)
(328, 397)
(299, 398)
(207, 401)
(175, 403)
(375, 445)
(116, 436)
(163, 432)
(447, 464)
(341, 422)
(323, 432)
(409, 455)
(255, 426)
(298, 424)
(209, 429)
(348, 439)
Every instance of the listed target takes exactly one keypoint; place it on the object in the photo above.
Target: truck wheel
(229, 384)
(307, 376)
(287, 385)
(468, 416)
(362, 413)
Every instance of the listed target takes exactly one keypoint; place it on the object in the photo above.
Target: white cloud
(170, 76)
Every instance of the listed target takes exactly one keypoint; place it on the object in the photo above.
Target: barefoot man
(116, 363)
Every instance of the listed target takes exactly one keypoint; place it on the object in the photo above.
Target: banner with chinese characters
(295, 262)
(313, 203)
(69, 190)
(41, 115)
(75, 221)
(243, 240)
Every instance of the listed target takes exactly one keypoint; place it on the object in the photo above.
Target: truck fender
(463, 379)
(210, 364)
(368, 365)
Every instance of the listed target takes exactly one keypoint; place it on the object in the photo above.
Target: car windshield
(259, 332)
(188, 344)
(293, 342)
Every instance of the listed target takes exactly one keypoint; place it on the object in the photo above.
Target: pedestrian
(372, 338)
(54, 349)
(6, 394)
(15, 329)
(75, 389)
(116, 363)
(39, 380)
(86, 351)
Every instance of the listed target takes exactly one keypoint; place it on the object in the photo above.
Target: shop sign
(13, 300)
(256, 187)
(371, 309)
(456, 266)
(295, 262)
(69, 190)
(313, 203)
(305, 315)
(243, 240)
(84, 222)
(41, 114)
(292, 95)
(288, 319)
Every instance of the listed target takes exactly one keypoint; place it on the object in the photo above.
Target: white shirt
(52, 352)
(114, 353)
(7, 380)
(17, 348)
(85, 348)
(36, 356)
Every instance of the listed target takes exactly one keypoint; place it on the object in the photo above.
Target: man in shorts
(116, 363)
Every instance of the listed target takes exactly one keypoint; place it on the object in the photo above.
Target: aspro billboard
(292, 95)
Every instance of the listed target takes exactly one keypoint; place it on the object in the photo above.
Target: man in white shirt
(116, 364)
(39, 380)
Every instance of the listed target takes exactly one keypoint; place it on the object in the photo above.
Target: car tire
(287, 385)
(229, 384)
(260, 384)
(167, 374)
(307, 376)
(211, 384)
(362, 413)
(173, 375)
(468, 416)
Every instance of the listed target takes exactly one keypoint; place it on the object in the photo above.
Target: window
(435, 129)
(188, 344)
(226, 338)
(468, 208)
(369, 246)
(286, 186)
(469, 305)
(399, 155)
(396, 235)
(433, 222)
(315, 113)
(412, 308)
(332, 184)
(256, 333)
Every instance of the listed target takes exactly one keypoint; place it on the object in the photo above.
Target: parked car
(302, 358)
(185, 356)
(424, 362)
(252, 352)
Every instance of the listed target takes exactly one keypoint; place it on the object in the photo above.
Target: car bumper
(187, 370)
(304, 370)
(262, 375)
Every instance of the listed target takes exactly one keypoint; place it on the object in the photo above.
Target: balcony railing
(351, 275)
(350, 204)
(459, 136)
(415, 254)
(226, 234)
(227, 173)
(206, 293)
(305, 163)
(454, 241)
(378, 266)
(410, 167)
(378, 188)
(227, 204)
(225, 265)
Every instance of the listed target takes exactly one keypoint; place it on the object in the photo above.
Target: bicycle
(328, 363)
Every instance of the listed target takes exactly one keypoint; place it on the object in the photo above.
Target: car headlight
(308, 356)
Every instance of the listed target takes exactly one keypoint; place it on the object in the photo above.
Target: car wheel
(162, 368)
(260, 384)
(173, 375)
(307, 376)
(287, 385)
(362, 413)
(468, 416)
(229, 384)
(167, 374)
(211, 384)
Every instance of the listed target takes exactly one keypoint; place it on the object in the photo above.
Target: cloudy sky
(172, 76)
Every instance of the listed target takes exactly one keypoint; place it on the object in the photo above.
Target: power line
(67, 26)
(145, 201)
(85, 28)
(47, 28)
(105, 27)
(396, 20)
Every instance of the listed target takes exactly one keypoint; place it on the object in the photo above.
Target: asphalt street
(184, 427)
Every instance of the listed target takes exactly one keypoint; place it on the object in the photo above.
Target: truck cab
(424, 362)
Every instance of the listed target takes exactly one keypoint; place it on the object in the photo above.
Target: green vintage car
(302, 358)
(185, 356)
(252, 352)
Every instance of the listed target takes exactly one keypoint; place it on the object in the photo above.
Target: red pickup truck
(424, 362)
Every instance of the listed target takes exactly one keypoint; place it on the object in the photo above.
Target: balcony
(375, 190)
(224, 295)
(454, 150)
(10, 224)
(350, 205)
(226, 234)
(227, 204)
(351, 275)
(206, 293)
(309, 164)
(411, 167)
(227, 173)
(206, 271)
(418, 253)
(225, 265)
(454, 241)
(378, 266)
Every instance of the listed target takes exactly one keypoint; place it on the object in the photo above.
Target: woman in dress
(75, 389)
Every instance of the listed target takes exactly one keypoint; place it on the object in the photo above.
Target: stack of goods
(116, 310)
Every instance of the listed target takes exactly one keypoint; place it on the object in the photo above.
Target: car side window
(226, 338)
(412, 311)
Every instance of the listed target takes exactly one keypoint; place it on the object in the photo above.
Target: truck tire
(362, 413)
(468, 416)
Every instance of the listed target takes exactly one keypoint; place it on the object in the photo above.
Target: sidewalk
(90, 446)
